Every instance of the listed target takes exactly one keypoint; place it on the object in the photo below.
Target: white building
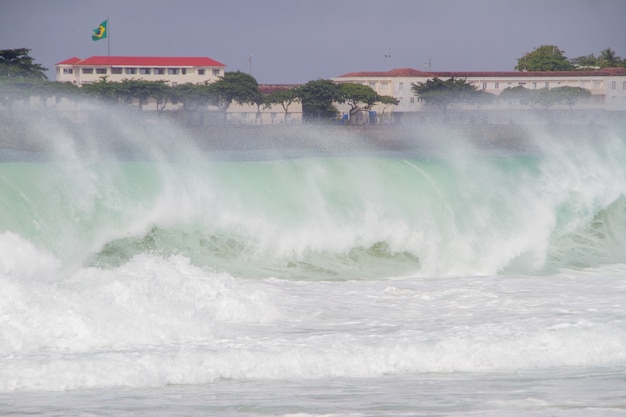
(174, 70)
(607, 86)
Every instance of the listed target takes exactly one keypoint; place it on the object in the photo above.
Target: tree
(542, 97)
(570, 95)
(193, 96)
(358, 96)
(439, 93)
(387, 101)
(103, 89)
(544, 58)
(16, 63)
(317, 98)
(585, 62)
(236, 87)
(608, 59)
(129, 90)
(284, 96)
(514, 95)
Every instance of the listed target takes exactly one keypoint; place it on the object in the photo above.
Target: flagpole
(108, 35)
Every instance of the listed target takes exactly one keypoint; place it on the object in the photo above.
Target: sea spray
(106, 192)
(249, 271)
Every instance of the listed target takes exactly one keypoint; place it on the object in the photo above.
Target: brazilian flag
(100, 32)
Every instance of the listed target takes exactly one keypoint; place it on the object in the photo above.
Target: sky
(295, 41)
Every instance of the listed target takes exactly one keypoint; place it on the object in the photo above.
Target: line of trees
(551, 58)
(440, 94)
(21, 78)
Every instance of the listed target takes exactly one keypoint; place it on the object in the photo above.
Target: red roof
(144, 61)
(70, 61)
(409, 72)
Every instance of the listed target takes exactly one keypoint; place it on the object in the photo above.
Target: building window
(484, 86)
(159, 71)
(183, 71)
(101, 70)
(216, 72)
(496, 85)
(534, 85)
(372, 84)
(130, 71)
(400, 86)
(412, 100)
(87, 71)
(172, 71)
(385, 85)
(116, 71)
(613, 85)
(201, 71)
(597, 84)
(144, 71)
(68, 70)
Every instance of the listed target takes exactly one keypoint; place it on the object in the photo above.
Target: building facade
(607, 87)
(174, 70)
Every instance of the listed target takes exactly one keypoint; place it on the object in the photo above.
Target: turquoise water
(181, 280)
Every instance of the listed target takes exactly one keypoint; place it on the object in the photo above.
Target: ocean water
(144, 273)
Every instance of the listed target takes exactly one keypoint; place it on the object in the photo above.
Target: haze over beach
(297, 41)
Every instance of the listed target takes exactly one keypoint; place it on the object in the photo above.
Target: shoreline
(21, 136)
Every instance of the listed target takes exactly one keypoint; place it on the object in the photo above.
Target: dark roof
(409, 72)
(144, 61)
(270, 88)
(398, 72)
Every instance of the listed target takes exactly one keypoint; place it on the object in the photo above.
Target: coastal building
(607, 87)
(174, 70)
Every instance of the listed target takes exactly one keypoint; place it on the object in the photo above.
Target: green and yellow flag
(100, 32)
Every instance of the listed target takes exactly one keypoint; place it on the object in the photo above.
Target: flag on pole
(100, 32)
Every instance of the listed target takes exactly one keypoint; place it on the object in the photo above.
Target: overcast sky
(295, 41)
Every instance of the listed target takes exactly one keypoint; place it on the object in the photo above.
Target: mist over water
(135, 253)
(101, 192)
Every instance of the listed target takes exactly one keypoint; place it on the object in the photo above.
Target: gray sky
(295, 41)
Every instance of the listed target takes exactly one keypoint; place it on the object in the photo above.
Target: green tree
(514, 95)
(585, 62)
(102, 89)
(570, 95)
(14, 89)
(192, 96)
(544, 58)
(237, 87)
(441, 93)
(317, 98)
(17, 63)
(387, 101)
(285, 97)
(608, 59)
(358, 96)
(141, 90)
(542, 97)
